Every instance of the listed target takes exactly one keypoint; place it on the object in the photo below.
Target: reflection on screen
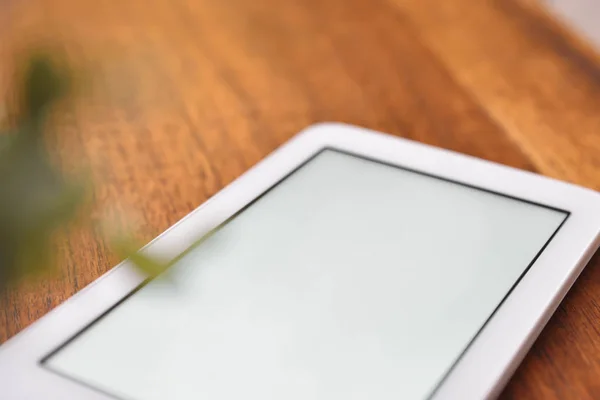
(351, 279)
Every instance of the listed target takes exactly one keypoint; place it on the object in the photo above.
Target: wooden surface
(185, 95)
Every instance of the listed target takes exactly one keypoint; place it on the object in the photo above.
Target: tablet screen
(349, 279)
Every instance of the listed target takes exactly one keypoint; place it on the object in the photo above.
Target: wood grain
(182, 96)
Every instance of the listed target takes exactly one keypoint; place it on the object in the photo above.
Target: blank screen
(349, 279)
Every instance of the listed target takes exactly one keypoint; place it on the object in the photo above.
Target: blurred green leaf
(45, 82)
(127, 248)
(36, 200)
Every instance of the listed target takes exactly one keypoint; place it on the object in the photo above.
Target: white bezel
(480, 372)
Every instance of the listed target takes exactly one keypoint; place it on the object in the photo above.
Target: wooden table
(186, 95)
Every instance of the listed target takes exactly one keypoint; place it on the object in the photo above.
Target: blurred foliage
(36, 199)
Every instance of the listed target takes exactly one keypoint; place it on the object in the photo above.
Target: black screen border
(442, 379)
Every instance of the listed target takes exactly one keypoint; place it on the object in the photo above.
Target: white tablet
(346, 265)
